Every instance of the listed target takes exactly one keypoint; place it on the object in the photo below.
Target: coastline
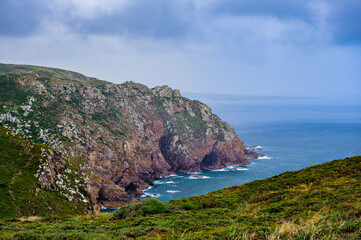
(170, 181)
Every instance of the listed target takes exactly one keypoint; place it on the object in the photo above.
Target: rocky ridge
(120, 136)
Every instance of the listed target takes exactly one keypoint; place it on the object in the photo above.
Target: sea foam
(172, 175)
(230, 168)
(173, 191)
(163, 182)
(148, 188)
(200, 177)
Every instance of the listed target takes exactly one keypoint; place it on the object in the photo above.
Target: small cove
(293, 136)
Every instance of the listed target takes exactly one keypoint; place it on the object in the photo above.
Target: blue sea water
(294, 134)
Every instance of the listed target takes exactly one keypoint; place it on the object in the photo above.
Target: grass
(319, 202)
(10, 90)
(44, 71)
(20, 192)
(145, 208)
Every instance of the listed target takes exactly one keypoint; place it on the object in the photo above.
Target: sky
(240, 47)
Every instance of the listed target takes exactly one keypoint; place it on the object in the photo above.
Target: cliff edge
(125, 135)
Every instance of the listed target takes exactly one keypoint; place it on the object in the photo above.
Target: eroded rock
(125, 134)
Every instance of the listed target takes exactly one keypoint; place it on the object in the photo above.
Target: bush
(152, 206)
(144, 208)
(119, 213)
(189, 206)
(168, 208)
(275, 209)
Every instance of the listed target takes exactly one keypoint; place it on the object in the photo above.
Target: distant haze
(272, 48)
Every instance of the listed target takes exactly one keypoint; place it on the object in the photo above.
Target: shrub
(168, 208)
(189, 206)
(275, 209)
(2, 184)
(119, 213)
(144, 208)
(152, 206)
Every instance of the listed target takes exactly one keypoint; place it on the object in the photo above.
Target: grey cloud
(165, 19)
(342, 22)
(20, 17)
(282, 9)
(153, 18)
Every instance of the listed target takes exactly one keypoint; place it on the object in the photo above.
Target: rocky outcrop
(125, 134)
(37, 180)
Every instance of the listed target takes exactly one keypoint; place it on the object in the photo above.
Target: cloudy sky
(247, 47)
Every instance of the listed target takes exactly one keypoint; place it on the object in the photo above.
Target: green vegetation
(319, 202)
(44, 71)
(189, 206)
(10, 91)
(145, 208)
(322, 201)
(159, 105)
(195, 123)
(119, 133)
(20, 192)
(99, 117)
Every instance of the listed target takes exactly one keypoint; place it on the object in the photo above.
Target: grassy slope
(322, 202)
(19, 160)
(45, 71)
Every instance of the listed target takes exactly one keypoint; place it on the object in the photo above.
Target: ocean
(294, 133)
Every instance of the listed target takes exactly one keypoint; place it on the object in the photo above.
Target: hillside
(36, 180)
(118, 136)
(318, 202)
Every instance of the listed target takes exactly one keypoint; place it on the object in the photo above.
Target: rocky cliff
(121, 135)
(37, 180)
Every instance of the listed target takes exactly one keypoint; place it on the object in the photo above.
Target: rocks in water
(195, 176)
(134, 190)
(112, 196)
(254, 147)
(252, 154)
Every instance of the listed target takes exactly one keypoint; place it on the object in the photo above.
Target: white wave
(230, 168)
(148, 188)
(173, 191)
(257, 148)
(242, 169)
(168, 182)
(235, 168)
(264, 157)
(200, 177)
(219, 170)
(150, 195)
(177, 176)
(163, 182)
(171, 175)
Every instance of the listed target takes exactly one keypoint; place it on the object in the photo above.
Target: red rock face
(171, 134)
(128, 134)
